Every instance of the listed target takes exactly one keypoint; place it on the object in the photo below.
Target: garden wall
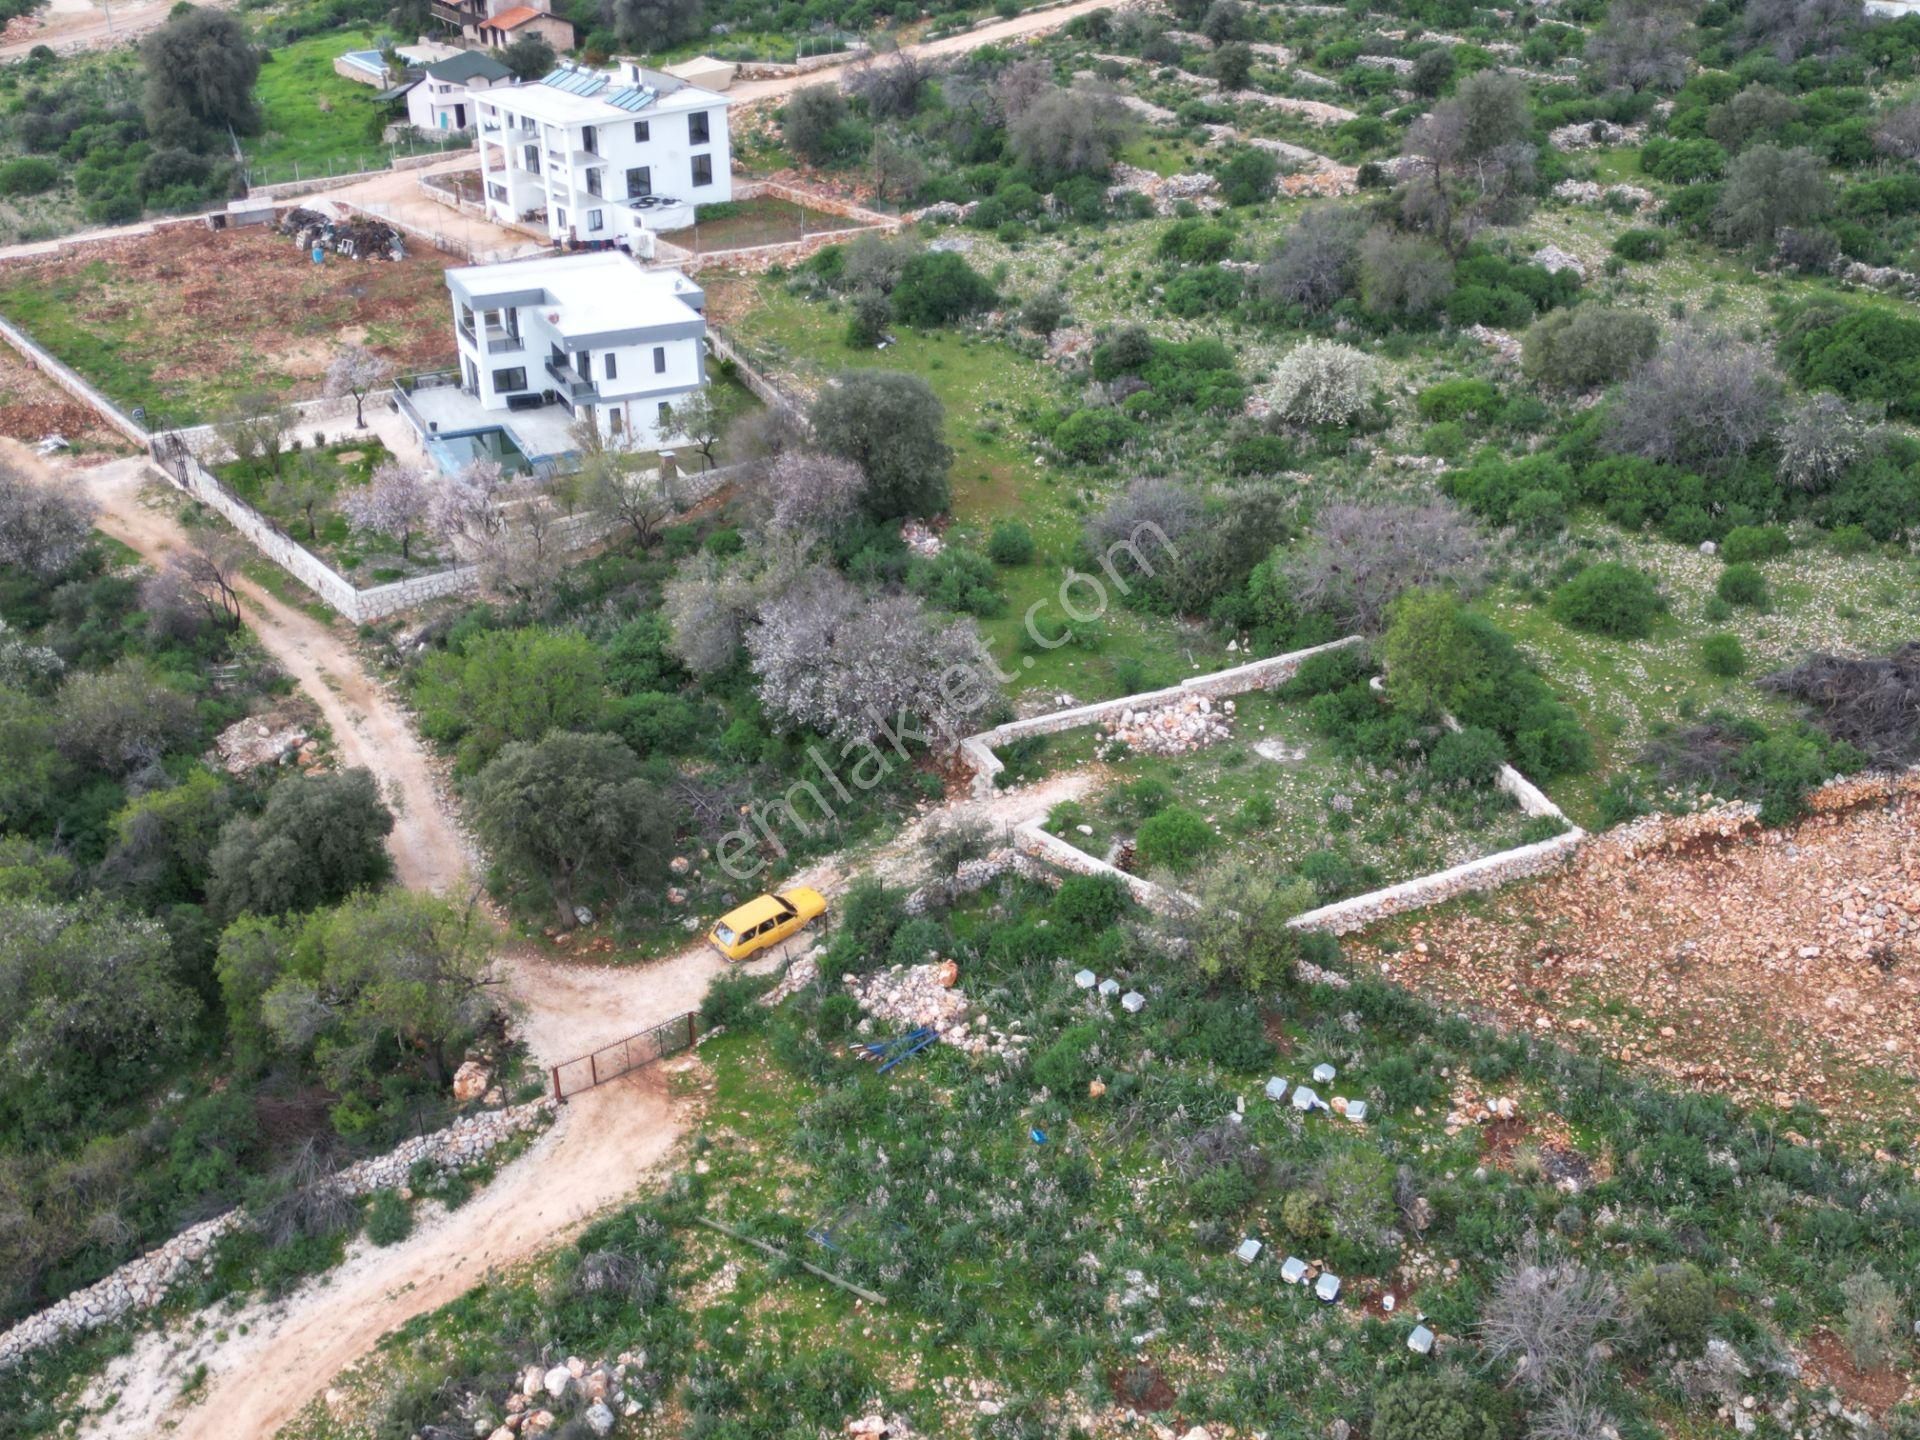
(144, 1283)
(785, 69)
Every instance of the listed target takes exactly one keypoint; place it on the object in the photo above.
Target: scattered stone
(1186, 725)
(470, 1082)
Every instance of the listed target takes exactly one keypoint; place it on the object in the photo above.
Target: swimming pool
(453, 453)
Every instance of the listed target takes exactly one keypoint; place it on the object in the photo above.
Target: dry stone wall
(144, 1283)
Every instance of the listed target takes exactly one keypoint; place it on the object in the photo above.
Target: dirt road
(81, 25)
(369, 728)
(1033, 22)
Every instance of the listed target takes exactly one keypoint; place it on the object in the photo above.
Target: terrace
(443, 413)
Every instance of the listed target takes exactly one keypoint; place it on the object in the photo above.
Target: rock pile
(972, 875)
(257, 742)
(1165, 191)
(1590, 192)
(599, 1390)
(919, 540)
(1505, 345)
(1553, 260)
(1186, 725)
(1480, 1110)
(1595, 132)
(146, 1281)
(917, 995)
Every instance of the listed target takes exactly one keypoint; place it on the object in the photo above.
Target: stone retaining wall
(1489, 872)
(147, 1281)
(786, 69)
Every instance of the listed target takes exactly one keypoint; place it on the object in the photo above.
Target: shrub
(1539, 513)
(1175, 839)
(1871, 1317)
(1430, 1407)
(1673, 1304)
(1089, 902)
(1091, 436)
(1723, 655)
(1470, 756)
(1066, 1065)
(1011, 543)
(1608, 598)
(1322, 383)
(1754, 542)
(1742, 584)
(1640, 245)
(1457, 400)
(28, 175)
(1332, 875)
(1587, 346)
(389, 1218)
(937, 287)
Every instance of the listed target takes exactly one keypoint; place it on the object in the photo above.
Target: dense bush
(1088, 437)
(1754, 542)
(1587, 346)
(1674, 1304)
(1608, 598)
(1742, 584)
(1430, 1407)
(28, 175)
(1640, 245)
(1469, 756)
(1175, 839)
(1011, 543)
(1723, 655)
(936, 287)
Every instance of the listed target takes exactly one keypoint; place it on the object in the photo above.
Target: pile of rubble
(920, 540)
(357, 237)
(1186, 725)
(929, 995)
(972, 875)
(1505, 345)
(601, 1388)
(1552, 259)
(1591, 192)
(1166, 192)
(259, 741)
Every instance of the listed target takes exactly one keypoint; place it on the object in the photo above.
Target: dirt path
(369, 729)
(89, 27)
(1034, 22)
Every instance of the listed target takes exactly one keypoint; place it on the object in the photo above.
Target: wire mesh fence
(622, 1057)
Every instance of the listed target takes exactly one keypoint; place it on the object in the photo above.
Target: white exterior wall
(443, 105)
(561, 183)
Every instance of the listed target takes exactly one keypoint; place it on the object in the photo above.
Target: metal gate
(610, 1062)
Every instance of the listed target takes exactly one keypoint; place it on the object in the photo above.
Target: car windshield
(724, 934)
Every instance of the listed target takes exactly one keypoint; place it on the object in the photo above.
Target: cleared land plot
(1777, 968)
(1278, 798)
(183, 320)
(33, 407)
(763, 220)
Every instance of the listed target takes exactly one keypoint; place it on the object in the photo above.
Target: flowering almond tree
(358, 372)
(396, 501)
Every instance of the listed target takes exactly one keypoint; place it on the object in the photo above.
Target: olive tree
(893, 427)
(1703, 401)
(319, 838)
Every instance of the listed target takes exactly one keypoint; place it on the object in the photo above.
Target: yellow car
(767, 921)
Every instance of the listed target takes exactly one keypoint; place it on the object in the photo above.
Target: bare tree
(197, 587)
(121, 719)
(256, 429)
(1821, 438)
(469, 506)
(1317, 262)
(832, 659)
(892, 87)
(1070, 131)
(1549, 1316)
(1020, 85)
(42, 530)
(1166, 504)
(396, 501)
(1703, 401)
(1360, 558)
(1898, 133)
(524, 556)
(1643, 44)
(709, 602)
(358, 372)
(803, 491)
(1799, 28)
(621, 486)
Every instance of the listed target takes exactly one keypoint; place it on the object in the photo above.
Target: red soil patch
(1874, 1390)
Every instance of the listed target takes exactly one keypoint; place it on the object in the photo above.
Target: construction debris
(357, 237)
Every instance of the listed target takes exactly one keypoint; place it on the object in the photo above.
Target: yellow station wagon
(767, 921)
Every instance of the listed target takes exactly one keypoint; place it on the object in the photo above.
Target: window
(666, 416)
(659, 359)
(590, 140)
(641, 132)
(497, 192)
(596, 220)
(697, 131)
(514, 379)
(593, 182)
(615, 420)
(639, 181)
(703, 170)
(532, 159)
(612, 366)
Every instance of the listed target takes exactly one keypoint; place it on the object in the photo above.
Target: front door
(459, 117)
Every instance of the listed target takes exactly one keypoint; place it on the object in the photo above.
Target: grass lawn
(1276, 793)
(316, 122)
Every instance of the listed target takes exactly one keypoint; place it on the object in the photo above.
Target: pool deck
(542, 435)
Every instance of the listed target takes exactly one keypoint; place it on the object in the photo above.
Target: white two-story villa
(548, 343)
(603, 155)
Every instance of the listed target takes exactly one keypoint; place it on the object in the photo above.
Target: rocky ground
(1777, 966)
(1185, 725)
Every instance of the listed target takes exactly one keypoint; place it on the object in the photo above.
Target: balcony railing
(504, 342)
(571, 387)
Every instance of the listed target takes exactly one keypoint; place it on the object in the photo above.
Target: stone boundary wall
(143, 1283)
(291, 189)
(70, 381)
(826, 204)
(977, 750)
(1343, 916)
(763, 386)
(786, 69)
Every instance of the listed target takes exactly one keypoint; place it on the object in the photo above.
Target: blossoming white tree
(358, 372)
(1322, 383)
(396, 502)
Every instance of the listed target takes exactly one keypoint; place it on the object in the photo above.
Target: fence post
(558, 1098)
(691, 1015)
(593, 1069)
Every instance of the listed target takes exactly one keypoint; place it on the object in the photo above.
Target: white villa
(603, 155)
(548, 342)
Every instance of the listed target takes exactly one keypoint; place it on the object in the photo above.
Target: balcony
(453, 13)
(570, 386)
(504, 342)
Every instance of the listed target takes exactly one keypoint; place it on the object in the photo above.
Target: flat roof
(601, 292)
(573, 95)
